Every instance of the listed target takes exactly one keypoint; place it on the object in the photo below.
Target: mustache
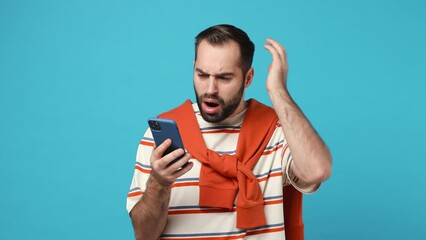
(211, 96)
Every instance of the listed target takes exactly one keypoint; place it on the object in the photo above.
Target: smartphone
(162, 129)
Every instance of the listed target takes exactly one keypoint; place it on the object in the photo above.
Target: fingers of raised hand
(276, 59)
(279, 48)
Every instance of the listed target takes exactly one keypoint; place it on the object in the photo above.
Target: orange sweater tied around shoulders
(223, 176)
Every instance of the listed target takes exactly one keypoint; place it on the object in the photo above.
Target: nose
(212, 85)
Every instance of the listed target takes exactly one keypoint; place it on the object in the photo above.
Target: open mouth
(211, 106)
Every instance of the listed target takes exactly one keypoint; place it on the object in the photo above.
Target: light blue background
(78, 79)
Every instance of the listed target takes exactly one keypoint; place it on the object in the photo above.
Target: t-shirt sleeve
(142, 170)
(289, 177)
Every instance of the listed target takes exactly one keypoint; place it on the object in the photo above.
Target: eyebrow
(224, 74)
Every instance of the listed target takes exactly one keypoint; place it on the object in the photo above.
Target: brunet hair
(223, 33)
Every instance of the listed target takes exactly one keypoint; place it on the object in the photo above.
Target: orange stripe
(285, 149)
(222, 131)
(142, 169)
(197, 211)
(149, 144)
(232, 237)
(210, 238)
(272, 150)
(274, 202)
(134, 194)
(186, 184)
(269, 176)
(220, 210)
(265, 231)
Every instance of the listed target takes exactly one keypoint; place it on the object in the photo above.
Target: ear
(249, 77)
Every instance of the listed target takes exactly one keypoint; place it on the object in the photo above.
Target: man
(240, 153)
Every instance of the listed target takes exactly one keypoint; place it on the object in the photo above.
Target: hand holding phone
(163, 129)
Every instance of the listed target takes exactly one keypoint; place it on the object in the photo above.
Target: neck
(241, 107)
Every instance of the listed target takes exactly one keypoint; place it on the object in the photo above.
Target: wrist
(156, 185)
(279, 95)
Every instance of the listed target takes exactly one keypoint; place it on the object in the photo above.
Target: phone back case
(168, 129)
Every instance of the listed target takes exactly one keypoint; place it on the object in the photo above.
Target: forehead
(218, 58)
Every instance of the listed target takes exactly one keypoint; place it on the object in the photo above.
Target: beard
(227, 107)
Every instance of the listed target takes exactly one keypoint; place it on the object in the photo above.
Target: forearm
(149, 216)
(311, 157)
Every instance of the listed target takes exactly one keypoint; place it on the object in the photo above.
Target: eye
(223, 78)
(203, 76)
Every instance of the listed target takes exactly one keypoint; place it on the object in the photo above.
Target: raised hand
(277, 76)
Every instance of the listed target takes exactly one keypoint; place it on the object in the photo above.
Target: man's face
(218, 81)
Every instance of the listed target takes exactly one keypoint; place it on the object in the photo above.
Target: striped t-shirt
(187, 220)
